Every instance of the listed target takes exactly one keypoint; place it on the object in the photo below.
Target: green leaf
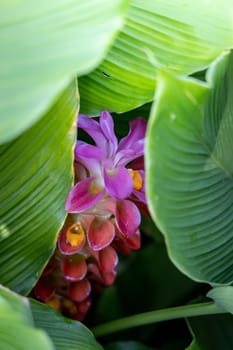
(43, 48)
(182, 36)
(212, 332)
(19, 316)
(16, 326)
(16, 336)
(65, 333)
(35, 177)
(17, 303)
(189, 171)
(223, 297)
(194, 346)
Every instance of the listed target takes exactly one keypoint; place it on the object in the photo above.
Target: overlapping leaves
(43, 47)
(25, 323)
(66, 334)
(35, 177)
(16, 325)
(189, 167)
(182, 36)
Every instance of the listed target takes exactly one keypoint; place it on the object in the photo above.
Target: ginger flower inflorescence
(103, 216)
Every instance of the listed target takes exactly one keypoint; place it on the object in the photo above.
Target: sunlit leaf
(35, 177)
(189, 161)
(27, 324)
(17, 303)
(17, 331)
(178, 35)
(43, 47)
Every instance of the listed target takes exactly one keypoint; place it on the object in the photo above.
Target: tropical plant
(116, 122)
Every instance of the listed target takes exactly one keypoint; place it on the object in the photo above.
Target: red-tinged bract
(103, 219)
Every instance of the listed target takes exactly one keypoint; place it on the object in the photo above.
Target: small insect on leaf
(106, 75)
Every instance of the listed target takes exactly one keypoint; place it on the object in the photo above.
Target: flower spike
(103, 219)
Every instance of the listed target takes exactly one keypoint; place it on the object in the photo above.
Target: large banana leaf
(183, 36)
(43, 46)
(189, 171)
(27, 324)
(17, 331)
(35, 177)
(65, 333)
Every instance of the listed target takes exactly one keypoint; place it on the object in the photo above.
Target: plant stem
(157, 316)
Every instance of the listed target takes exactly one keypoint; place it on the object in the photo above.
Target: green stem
(157, 316)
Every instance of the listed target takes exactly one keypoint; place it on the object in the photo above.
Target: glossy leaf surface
(66, 334)
(43, 48)
(25, 322)
(17, 331)
(35, 177)
(182, 36)
(189, 171)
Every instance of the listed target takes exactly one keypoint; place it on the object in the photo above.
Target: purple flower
(104, 216)
(105, 161)
(104, 181)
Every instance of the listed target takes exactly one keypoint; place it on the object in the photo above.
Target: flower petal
(109, 278)
(127, 155)
(118, 182)
(124, 244)
(100, 234)
(92, 128)
(45, 288)
(137, 132)
(83, 149)
(106, 207)
(65, 246)
(128, 217)
(79, 291)
(80, 171)
(138, 181)
(83, 195)
(107, 126)
(74, 267)
(84, 306)
(108, 259)
(94, 272)
(92, 166)
(140, 196)
(134, 241)
(124, 156)
(139, 147)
